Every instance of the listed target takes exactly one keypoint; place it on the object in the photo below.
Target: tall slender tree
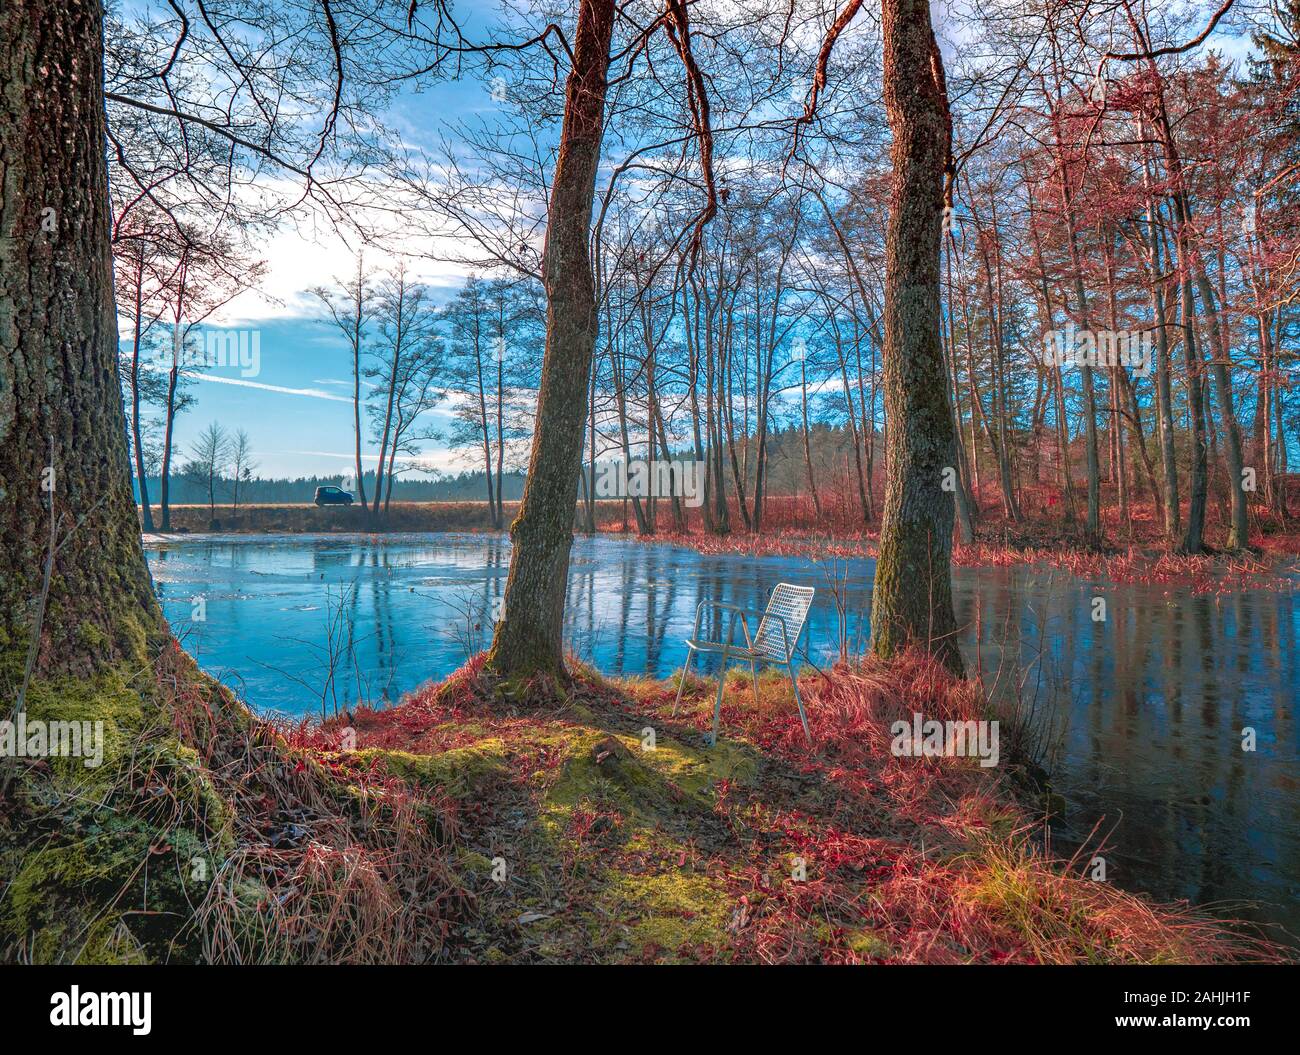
(352, 309)
(528, 639)
(912, 600)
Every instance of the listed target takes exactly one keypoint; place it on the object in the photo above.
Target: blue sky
(297, 406)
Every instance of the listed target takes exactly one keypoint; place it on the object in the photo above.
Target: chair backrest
(791, 603)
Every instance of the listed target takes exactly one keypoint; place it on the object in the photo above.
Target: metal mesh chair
(779, 629)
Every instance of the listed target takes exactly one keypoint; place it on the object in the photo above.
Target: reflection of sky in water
(1149, 704)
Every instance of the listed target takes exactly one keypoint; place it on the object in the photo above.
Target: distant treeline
(829, 448)
(463, 487)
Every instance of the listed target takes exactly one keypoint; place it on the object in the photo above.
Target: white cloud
(428, 460)
(313, 393)
(309, 252)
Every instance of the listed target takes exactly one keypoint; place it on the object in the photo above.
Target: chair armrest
(734, 610)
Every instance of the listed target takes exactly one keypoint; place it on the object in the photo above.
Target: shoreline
(1274, 566)
(465, 543)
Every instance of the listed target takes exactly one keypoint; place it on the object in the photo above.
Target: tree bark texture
(62, 427)
(912, 599)
(529, 638)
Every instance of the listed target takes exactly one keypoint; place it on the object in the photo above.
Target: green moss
(697, 772)
(602, 771)
(471, 862)
(651, 786)
(656, 793)
(463, 772)
(191, 785)
(134, 635)
(866, 942)
(669, 912)
(103, 852)
(109, 942)
(108, 698)
(105, 888)
(91, 636)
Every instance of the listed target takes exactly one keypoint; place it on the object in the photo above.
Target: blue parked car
(333, 496)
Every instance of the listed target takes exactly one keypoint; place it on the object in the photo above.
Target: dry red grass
(907, 859)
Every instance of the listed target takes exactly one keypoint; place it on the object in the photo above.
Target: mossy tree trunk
(529, 638)
(912, 600)
(62, 428)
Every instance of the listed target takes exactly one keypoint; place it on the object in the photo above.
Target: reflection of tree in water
(388, 658)
(474, 607)
(1153, 701)
(334, 667)
(469, 621)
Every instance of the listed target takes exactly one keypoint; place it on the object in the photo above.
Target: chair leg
(690, 655)
(753, 673)
(717, 706)
(794, 683)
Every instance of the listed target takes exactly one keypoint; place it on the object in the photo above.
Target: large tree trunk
(1069, 218)
(912, 600)
(1198, 478)
(529, 639)
(61, 416)
(1085, 372)
(1194, 537)
(1164, 395)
